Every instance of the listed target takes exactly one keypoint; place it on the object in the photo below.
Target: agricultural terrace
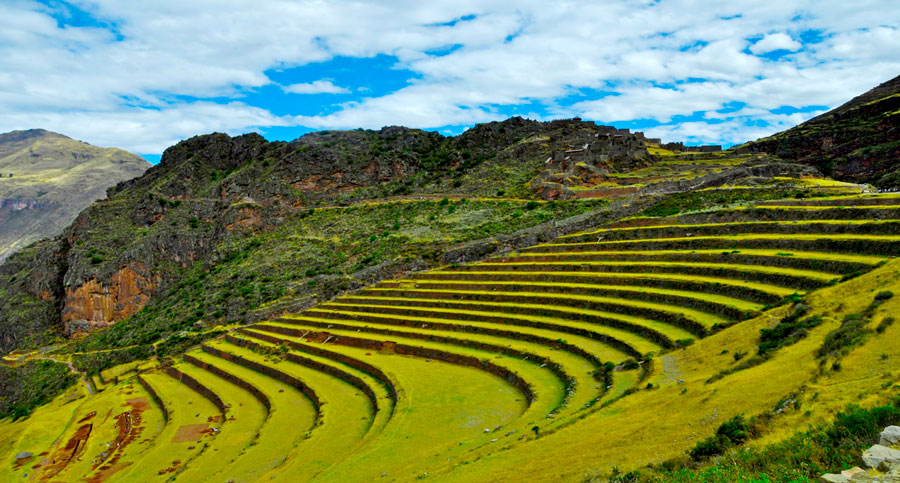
(439, 372)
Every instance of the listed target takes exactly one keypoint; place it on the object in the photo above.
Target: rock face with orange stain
(96, 304)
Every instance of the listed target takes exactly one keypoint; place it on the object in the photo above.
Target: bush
(531, 205)
(733, 432)
(882, 296)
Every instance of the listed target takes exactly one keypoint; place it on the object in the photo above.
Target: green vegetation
(31, 385)
(802, 458)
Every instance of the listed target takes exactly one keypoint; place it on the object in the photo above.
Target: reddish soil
(61, 458)
(190, 432)
(129, 428)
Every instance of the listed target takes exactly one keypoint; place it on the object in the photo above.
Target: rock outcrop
(882, 461)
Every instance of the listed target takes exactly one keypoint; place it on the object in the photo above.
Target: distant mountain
(858, 141)
(46, 179)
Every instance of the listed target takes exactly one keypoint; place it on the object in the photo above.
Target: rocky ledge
(881, 460)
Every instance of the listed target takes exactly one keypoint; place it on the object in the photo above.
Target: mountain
(46, 179)
(858, 141)
(530, 293)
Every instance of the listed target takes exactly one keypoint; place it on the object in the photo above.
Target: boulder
(833, 478)
(890, 436)
(881, 457)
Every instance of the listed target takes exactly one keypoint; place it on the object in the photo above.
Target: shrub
(885, 323)
(501, 192)
(733, 432)
(531, 205)
(882, 296)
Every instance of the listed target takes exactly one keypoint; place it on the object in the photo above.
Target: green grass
(290, 408)
(704, 318)
(766, 288)
(669, 331)
(346, 415)
(571, 364)
(245, 416)
(536, 286)
(810, 274)
(800, 223)
(825, 256)
(185, 408)
(422, 427)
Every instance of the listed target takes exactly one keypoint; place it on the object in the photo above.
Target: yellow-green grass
(289, 409)
(730, 223)
(761, 287)
(820, 207)
(43, 431)
(639, 344)
(736, 303)
(346, 414)
(599, 351)
(573, 365)
(704, 318)
(186, 408)
(669, 331)
(651, 426)
(547, 386)
(442, 413)
(864, 196)
(810, 274)
(799, 254)
(228, 456)
(51, 427)
(748, 236)
(622, 381)
(107, 407)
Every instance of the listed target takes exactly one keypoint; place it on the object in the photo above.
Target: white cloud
(135, 87)
(773, 42)
(316, 87)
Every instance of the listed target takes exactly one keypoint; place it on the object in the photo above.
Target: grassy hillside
(614, 352)
(46, 179)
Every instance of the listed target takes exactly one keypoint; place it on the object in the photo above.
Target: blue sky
(144, 75)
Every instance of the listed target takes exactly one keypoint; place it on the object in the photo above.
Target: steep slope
(205, 234)
(858, 141)
(46, 179)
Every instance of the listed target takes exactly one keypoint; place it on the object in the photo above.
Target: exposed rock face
(883, 463)
(890, 436)
(100, 305)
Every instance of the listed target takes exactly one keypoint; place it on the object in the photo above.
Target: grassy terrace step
(840, 201)
(763, 213)
(695, 321)
(545, 385)
(608, 343)
(442, 411)
(101, 435)
(580, 370)
(729, 307)
(191, 418)
(445, 330)
(345, 414)
(757, 292)
(821, 207)
(287, 408)
(784, 277)
(885, 245)
(834, 264)
(244, 417)
(658, 332)
(859, 227)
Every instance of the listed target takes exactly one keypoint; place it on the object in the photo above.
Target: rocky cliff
(202, 237)
(46, 179)
(858, 141)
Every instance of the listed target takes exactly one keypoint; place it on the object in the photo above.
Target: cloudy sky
(143, 75)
